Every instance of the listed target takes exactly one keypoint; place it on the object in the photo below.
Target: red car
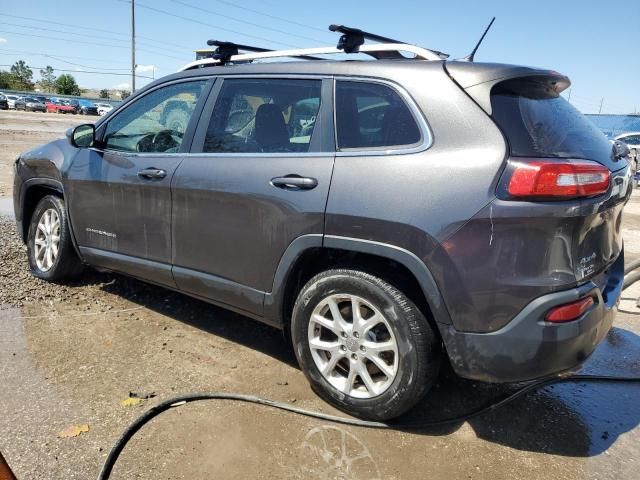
(60, 107)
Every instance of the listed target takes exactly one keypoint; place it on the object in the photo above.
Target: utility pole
(133, 46)
(569, 95)
(601, 102)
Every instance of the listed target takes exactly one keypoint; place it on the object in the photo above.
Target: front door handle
(294, 182)
(152, 173)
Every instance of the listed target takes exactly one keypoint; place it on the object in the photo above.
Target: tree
(66, 85)
(124, 94)
(104, 93)
(6, 80)
(47, 79)
(22, 76)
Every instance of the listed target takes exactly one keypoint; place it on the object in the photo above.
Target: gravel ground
(18, 288)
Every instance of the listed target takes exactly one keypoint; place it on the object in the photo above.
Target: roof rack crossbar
(376, 50)
(352, 38)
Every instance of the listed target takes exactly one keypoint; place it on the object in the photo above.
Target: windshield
(538, 122)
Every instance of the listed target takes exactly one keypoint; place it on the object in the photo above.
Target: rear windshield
(538, 122)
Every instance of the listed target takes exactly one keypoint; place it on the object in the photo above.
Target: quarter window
(371, 115)
(156, 122)
(267, 115)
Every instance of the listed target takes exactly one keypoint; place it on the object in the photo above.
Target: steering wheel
(161, 141)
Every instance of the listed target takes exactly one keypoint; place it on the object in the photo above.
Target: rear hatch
(542, 128)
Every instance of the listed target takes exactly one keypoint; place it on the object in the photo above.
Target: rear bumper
(528, 347)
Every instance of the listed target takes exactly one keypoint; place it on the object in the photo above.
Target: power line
(83, 35)
(208, 25)
(268, 15)
(70, 63)
(23, 52)
(81, 71)
(93, 29)
(219, 14)
(87, 43)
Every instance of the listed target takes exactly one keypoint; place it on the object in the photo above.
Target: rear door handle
(152, 173)
(294, 182)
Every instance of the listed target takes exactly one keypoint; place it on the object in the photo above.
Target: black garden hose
(182, 400)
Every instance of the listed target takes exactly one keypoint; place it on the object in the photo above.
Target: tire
(416, 361)
(66, 264)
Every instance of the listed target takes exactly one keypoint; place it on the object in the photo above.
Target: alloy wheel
(353, 346)
(47, 240)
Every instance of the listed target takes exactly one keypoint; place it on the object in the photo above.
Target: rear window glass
(538, 122)
(371, 115)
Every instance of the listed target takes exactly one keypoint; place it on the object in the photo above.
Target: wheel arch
(34, 190)
(308, 255)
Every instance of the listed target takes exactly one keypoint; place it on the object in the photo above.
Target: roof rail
(226, 50)
(351, 41)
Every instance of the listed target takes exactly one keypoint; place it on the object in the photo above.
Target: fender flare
(26, 186)
(58, 187)
(274, 301)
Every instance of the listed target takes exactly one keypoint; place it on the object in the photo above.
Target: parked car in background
(632, 139)
(30, 104)
(4, 105)
(84, 107)
(104, 108)
(11, 101)
(60, 106)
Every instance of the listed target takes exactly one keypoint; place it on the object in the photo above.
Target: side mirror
(82, 136)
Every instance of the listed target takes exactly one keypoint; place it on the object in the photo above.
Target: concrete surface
(69, 354)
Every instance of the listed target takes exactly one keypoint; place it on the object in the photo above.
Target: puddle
(6, 207)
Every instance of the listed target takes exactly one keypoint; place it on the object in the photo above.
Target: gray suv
(388, 215)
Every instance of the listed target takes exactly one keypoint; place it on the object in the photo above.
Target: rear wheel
(363, 345)
(49, 247)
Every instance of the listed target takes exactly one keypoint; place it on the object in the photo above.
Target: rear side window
(264, 116)
(538, 122)
(372, 115)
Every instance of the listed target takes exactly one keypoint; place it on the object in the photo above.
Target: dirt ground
(70, 354)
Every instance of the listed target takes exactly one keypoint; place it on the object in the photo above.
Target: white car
(632, 139)
(103, 108)
(11, 100)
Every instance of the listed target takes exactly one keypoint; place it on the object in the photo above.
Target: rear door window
(371, 116)
(538, 122)
(264, 116)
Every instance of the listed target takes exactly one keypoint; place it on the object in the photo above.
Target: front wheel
(363, 345)
(51, 253)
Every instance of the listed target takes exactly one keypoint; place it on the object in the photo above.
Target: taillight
(557, 179)
(570, 311)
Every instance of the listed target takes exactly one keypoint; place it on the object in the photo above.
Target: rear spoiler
(477, 79)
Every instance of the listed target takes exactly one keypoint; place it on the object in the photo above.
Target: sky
(590, 41)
